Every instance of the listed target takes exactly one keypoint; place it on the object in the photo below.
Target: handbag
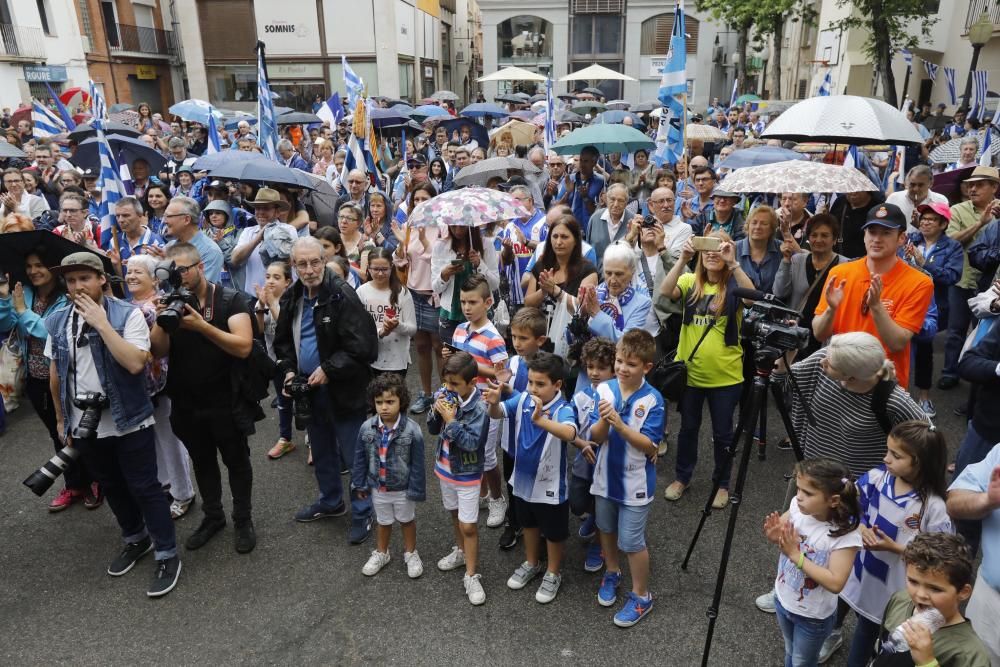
(669, 375)
(13, 373)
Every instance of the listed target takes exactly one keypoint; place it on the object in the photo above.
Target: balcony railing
(21, 42)
(976, 9)
(136, 39)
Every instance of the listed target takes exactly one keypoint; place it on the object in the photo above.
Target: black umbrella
(645, 107)
(322, 202)
(212, 162)
(87, 155)
(121, 106)
(509, 98)
(50, 247)
(412, 128)
(263, 171)
(540, 97)
(86, 130)
(394, 116)
(594, 91)
(569, 97)
(297, 118)
(281, 111)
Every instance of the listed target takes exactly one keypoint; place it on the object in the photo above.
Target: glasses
(184, 269)
(311, 264)
(378, 269)
(71, 210)
(662, 202)
(174, 215)
(343, 219)
(12, 181)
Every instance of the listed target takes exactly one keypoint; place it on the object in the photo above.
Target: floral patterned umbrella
(798, 176)
(468, 207)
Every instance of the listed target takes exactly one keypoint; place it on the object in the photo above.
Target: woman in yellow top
(712, 315)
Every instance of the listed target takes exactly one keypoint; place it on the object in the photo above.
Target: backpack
(251, 377)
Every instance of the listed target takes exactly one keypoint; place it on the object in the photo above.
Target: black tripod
(764, 358)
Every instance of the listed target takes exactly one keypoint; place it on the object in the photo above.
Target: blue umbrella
(759, 156)
(481, 109)
(195, 110)
(212, 162)
(127, 149)
(262, 171)
(425, 111)
(477, 131)
(383, 117)
(525, 115)
(617, 117)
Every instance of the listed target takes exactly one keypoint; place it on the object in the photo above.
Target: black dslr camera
(91, 403)
(175, 297)
(300, 391)
(771, 325)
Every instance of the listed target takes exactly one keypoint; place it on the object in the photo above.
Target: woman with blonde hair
(710, 345)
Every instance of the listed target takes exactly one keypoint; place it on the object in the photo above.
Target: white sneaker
(474, 589)
(414, 566)
(549, 588)
(455, 559)
(376, 562)
(498, 512)
(765, 602)
(524, 573)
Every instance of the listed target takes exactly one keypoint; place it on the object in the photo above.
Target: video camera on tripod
(769, 323)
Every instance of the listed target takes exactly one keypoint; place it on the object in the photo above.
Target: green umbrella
(748, 97)
(605, 138)
(592, 107)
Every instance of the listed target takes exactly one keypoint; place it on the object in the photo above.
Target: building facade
(556, 37)
(40, 43)
(131, 51)
(401, 48)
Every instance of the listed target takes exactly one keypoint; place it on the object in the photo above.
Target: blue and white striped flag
(949, 77)
(332, 110)
(126, 175)
(355, 84)
(64, 113)
(213, 145)
(826, 88)
(550, 118)
(98, 107)
(986, 159)
(732, 95)
(932, 70)
(46, 124)
(907, 57)
(110, 185)
(670, 135)
(267, 131)
(980, 85)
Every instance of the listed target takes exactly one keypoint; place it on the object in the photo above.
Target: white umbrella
(703, 132)
(798, 176)
(596, 73)
(512, 74)
(843, 119)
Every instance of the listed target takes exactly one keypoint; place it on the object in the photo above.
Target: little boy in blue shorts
(628, 425)
(543, 423)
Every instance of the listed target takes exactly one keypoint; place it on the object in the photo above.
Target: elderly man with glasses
(609, 224)
(180, 219)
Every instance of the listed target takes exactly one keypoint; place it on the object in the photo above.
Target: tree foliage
(887, 25)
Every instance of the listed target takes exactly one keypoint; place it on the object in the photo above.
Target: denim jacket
(404, 460)
(28, 323)
(466, 436)
(130, 404)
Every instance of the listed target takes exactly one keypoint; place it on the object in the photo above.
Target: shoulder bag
(669, 375)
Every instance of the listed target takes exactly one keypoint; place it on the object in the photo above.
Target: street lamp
(979, 33)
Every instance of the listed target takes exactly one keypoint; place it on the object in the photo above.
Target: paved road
(300, 598)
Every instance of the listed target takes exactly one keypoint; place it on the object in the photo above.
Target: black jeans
(923, 363)
(76, 477)
(125, 466)
(208, 435)
(959, 318)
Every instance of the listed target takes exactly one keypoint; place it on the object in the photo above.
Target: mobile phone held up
(706, 243)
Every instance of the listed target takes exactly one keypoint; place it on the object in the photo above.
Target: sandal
(179, 508)
(281, 448)
(721, 499)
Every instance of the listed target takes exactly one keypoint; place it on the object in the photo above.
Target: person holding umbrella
(23, 310)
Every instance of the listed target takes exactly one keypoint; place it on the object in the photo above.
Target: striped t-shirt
(385, 434)
(846, 428)
(485, 344)
(442, 465)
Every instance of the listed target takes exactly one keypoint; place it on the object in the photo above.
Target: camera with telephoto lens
(767, 324)
(300, 391)
(175, 297)
(92, 403)
(43, 478)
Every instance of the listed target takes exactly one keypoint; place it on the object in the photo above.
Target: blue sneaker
(319, 511)
(595, 558)
(607, 594)
(633, 611)
(422, 404)
(588, 528)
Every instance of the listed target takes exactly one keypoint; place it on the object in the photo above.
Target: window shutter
(227, 29)
(655, 38)
(597, 6)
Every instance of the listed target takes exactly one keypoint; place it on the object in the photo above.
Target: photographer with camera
(98, 348)
(325, 342)
(205, 331)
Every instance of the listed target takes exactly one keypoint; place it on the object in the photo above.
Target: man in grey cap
(98, 388)
(722, 215)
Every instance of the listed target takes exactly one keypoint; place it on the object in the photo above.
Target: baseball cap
(885, 215)
(940, 208)
(416, 160)
(79, 261)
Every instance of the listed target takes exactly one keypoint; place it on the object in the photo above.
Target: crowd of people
(533, 340)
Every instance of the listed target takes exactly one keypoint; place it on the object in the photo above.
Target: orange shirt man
(878, 293)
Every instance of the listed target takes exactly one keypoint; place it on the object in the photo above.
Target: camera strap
(209, 307)
(645, 272)
(820, 277)
(709, 327)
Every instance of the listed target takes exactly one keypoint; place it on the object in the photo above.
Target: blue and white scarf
(614, 306)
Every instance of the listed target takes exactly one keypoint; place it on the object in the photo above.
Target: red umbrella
(69, 97)
(24, 113)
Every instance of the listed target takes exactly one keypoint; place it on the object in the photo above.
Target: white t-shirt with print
(798, 593)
